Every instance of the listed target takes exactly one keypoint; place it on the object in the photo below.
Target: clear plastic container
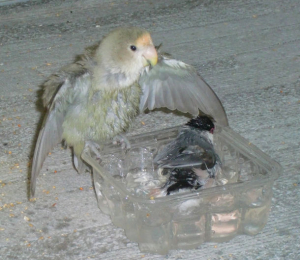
(187, 219)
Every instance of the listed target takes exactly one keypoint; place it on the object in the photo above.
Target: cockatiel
(99, 95)
(190, 160)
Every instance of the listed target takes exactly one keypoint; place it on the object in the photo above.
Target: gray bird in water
(99, 95)
(190, 161)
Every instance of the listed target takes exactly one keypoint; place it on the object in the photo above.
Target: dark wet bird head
(203, 123)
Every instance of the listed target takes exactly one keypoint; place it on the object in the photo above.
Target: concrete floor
(247, 50)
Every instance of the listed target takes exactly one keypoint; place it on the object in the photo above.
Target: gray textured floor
(248, 50)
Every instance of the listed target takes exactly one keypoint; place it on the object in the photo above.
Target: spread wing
(50, 134)
(60, 90)
(176, 85)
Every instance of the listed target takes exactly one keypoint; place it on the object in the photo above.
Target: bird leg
(122, 140)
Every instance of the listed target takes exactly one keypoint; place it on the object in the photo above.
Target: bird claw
(122, 140)
(80, 165)
(93, 147)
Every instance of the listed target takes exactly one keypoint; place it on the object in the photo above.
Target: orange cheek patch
(145, 39)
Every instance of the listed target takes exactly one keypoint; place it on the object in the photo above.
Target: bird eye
(133, 48)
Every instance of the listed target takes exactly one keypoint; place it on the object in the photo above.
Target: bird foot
(122, 140)
(80, 165)
(93, 147)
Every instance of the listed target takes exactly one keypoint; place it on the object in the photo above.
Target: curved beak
(150, 56)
